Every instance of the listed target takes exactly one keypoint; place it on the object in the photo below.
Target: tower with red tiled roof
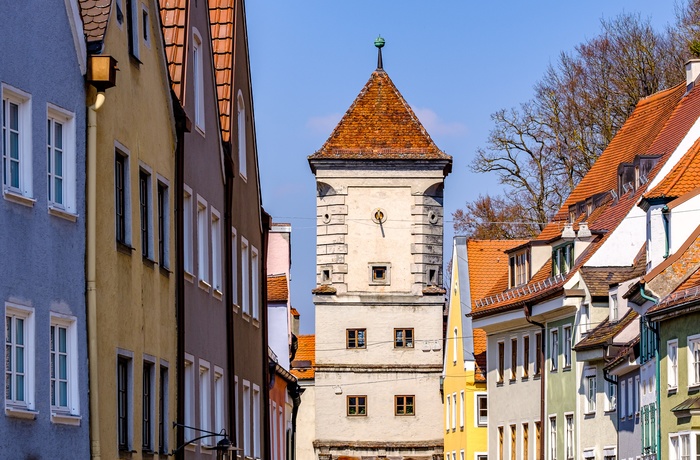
(379, 297)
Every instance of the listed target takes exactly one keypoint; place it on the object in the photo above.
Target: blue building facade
(42, 242)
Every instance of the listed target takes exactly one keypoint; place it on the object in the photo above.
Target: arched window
(242, 151)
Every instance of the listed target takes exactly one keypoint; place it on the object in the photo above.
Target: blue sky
(455, 62)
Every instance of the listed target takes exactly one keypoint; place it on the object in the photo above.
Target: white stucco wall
(684, 219)
(306, 423)
(278, 332)
(624, 244)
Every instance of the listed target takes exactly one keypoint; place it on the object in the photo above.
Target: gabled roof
(221, 17)
(599, 279)
(303, 366)
(488, 266)
(95, 15)
(380, 125)
(277, 289)
(682, 179)
(604, 333)
(173, 15)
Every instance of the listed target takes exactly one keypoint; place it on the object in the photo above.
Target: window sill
(256, 322)
(512, 381)
(524, 378)
(235, 308)
(189, 277)
(21, 413)
(203, 285)
(218, 295)
(164, 271)
(124, 248)
(694, 386)
(63, 214)
(148, 262)
(589, 414)
(610, 411)
(65, 419)
(246, 316)
(499, 383)
(566, 369)
(18, 198)
(200, 130)
(672, 390)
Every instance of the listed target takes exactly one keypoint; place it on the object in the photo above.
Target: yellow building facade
(464, 382)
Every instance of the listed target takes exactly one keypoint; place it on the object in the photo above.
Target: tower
(379, 298)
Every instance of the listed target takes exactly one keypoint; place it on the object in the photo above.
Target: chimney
(692, 70)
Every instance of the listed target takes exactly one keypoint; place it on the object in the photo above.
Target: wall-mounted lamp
(223, 448)
(102, 72)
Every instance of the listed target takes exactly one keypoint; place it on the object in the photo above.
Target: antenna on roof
(379, 43)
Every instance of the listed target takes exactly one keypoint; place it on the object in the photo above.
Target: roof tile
(95, 14)
(303, 366)
(277, 289)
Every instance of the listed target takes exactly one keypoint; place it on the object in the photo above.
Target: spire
(379, 43)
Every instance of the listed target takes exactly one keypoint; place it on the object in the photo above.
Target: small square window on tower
(326, 273)
(379, 274)
(432, 275)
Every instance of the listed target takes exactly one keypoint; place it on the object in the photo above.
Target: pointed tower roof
(380, 125)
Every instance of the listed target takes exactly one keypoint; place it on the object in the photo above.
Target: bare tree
(494, 218)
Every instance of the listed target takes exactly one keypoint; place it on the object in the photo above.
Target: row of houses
(135, 289)
(584, 342)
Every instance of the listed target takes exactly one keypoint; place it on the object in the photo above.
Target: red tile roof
(480, 355)
(303, 366)
(95, 14)
(380, 125)
(294, 312)
(221, 16)
(605, 332)
(682, 179)
(173, 15)
(277, 289)
(324, 289)
(488, 266)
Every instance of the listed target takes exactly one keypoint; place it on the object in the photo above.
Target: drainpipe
(228, 287)
(90, 255)
(657, 371)
(667, 237)
(528, 312)
(266, 224)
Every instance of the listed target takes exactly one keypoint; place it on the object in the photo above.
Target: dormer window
(519, 268)
(562, 259)
(625, 178)
(642, 168)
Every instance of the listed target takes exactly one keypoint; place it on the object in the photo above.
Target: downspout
(527, 309)
(228, 287)
(667, 237)
(657, 371)
(295, 393)
(91, 274)
(266, 223)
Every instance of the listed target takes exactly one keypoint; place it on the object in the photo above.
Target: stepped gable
(303, 366)
(605, 332)
(221, 19)
(488, 266)
(95, 14)
(480, 355)
(173, 14)
(380, 125)
(277, 290)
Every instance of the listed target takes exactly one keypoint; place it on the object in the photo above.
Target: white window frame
(73, 402)
(622, 398)
(198, 79)
(454, 411)
(672, 364)
(148, 172)
(610, 396)
(122, 151)
(693, 352)
(163, 183)
(234, 268)
(256, 422)
(203, 243)
(245, 276)
(630, 397)
(569, 436)
(448, 406)
(188, 233)
(255, 282)
(590, 376)
(614, 307)
(477, 415)
(637, 395)
(566, 341)
(461, 409)
(55, 114)
(216, 251)
(554, 349)
(237, 409)
(23, 193)
(205, 415)
(247, 439)
(26, 407)
(552, 438)
(189, 396)
(219, 400)
(241, 129)
(127, 356)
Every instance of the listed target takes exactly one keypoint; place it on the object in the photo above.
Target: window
(132, 27)
(526, 440)
(379, 274)
(567, 347)
(16, 142)
(554, 349)
(454, 346)
(636, 394)
(145, 24)
(448, 405)
(538, 354)
(19, 357)
(144, 211)
(64, 366)
(672, 363)
(403, 338)
(562, 259)
(204, 398)
(614, 315)
(124, 402)
(235, 400)
(519, 268)
(482, 410)
(355, 338)
(163, 411)
(219, 400)
(590, 390)
(404, 405)
(553, 438)
(461, 409)
(680, 446)
(454, 411)
(246, 419)
(585, 317)
(202, 243)
(255, 282)
(513, 434)
(357, 405)
(501, 361)
(241, 126)
(147, 407)
(513, 359)
(500, 443)
(623, 390)
(60, 162)
(245, 276)
(569, 439)
(163, 225)
(189, 396)
(526, 356)
(121, 194)
(610, 396)
(198, 80)
(216, 265)
(630, 398)
(538, 439)
(234, 267)
(188, 233)
(694, 360)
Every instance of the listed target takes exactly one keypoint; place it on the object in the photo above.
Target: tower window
(379, 274)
